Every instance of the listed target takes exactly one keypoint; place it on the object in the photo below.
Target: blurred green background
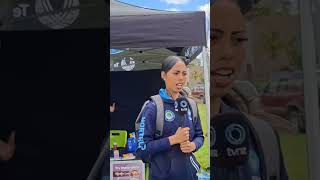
(202, 154)
(294, 149)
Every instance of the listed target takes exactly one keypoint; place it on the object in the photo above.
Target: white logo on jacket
(169, 116)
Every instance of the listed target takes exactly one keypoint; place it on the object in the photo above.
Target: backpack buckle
(158, 133)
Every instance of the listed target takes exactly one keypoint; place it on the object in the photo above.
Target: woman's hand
(7, 149)
(187, 147)
(181, 135)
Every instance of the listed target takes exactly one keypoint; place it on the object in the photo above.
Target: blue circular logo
(235, 134)
(183, 104)
(169, 116)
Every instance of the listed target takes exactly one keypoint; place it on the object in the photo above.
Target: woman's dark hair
(244, 5)
(170, 61)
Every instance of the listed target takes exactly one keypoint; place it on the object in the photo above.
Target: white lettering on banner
(20, 11)
(126, 168)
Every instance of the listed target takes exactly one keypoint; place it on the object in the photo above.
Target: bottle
(116, 154)
(131, 145)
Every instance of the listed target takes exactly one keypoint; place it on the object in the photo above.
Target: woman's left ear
(163, 75)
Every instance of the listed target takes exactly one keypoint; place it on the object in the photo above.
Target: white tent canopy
(136, 27)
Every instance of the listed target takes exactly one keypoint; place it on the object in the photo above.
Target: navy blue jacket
(166, 161)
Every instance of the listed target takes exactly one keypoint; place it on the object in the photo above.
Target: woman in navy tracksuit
(170, 155)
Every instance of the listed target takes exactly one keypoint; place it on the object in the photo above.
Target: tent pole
(206, 74)
(310, 88)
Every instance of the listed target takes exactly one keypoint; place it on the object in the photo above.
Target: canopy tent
(145, 37)
(137, 27)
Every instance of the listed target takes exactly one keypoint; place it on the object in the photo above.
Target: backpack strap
(269, 146)
(245, 97)
(194, 109)
(139, 116)
(160, 114)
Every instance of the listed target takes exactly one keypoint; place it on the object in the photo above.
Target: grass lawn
(294, 149)
(202, 154)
